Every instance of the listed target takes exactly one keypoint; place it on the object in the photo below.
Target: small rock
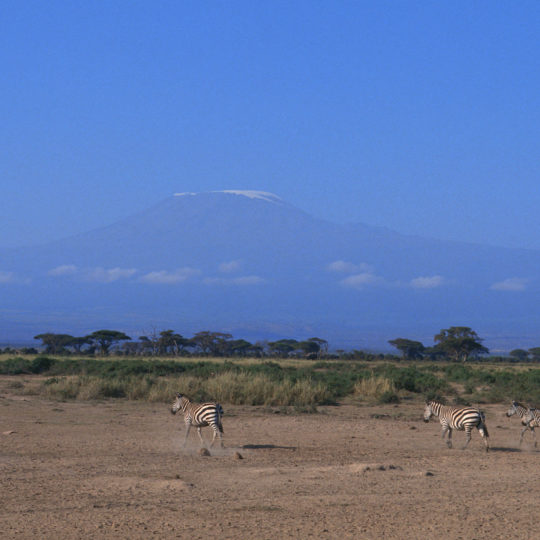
(428, 473)
(238, 455)
(412, 427)
(8, 432)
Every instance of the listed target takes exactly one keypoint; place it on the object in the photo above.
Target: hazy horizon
(419, 118)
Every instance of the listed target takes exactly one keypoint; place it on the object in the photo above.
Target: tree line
(458, 343)
(171, 343)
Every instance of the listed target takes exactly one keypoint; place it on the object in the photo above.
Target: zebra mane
(519, 404)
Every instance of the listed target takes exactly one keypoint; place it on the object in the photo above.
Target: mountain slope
(250, 262)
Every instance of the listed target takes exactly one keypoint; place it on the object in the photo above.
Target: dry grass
(229, 387)
(374, 388)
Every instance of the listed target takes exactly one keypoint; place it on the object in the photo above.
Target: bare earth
(115, 469)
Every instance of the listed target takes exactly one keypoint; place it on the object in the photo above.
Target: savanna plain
(115, 468)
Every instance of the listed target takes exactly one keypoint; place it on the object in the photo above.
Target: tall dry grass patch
(374, 388)
(236, 388)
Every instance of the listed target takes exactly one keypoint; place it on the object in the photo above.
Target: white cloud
(7, 277)
(359, 281)
(10, 277)
(63, 270)
(230, 266)
(510, 284)
(169, 278)
(243, 280)
(349, 268)
(108, 275)
(427, 282)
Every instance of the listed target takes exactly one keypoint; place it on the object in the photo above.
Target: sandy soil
(116, 470)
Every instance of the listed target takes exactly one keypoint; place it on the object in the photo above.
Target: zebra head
(428, 412)
(177, 405)
(512, 410)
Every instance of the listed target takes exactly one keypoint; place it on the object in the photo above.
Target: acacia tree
(519, 354)
(211, 343)
(104, 339)
(459, 343)
(55, 343)
(282, 347)
(322, 344)
(171, 343)
(410, 349)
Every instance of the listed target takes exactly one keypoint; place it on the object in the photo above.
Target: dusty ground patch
(116, 470)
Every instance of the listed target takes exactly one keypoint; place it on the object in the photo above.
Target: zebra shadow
(504, 449)
(267, 447)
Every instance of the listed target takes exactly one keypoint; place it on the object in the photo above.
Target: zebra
(530, 418)
(200, 415)
(460, 418)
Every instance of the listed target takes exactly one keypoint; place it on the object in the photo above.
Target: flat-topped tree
(211, 343)
(55, 343)
(410, 349)
(104, 339)
(459, 343)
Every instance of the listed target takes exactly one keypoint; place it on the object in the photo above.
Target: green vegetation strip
(272, 383)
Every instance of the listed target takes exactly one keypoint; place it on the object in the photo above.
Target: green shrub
(389, 397)
(15, 366)
(41, 364)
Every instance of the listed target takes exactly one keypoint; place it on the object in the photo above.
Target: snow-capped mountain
(250, 263)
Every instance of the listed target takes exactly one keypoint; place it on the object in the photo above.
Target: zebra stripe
(460, 418)
(530, 418)
(200, 415)
(533, 419)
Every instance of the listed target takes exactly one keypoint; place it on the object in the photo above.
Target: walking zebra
(460, 418)
(530, 418)
(200, 415)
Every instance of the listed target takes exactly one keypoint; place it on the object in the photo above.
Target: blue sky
(420, 116)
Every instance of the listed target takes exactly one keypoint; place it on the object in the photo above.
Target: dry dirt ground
(116, 469)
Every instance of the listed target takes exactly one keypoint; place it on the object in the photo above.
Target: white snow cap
(264, 195)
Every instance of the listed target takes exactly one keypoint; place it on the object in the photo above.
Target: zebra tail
(219, 410)
(483, 425)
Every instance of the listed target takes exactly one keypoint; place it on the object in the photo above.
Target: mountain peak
(251, 194)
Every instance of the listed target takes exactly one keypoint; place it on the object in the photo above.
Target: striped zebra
(200, 415)
(460, 418)
(530, 418)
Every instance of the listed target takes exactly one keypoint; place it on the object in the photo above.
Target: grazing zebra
(200, 415)
(530, 418)
(460, 418)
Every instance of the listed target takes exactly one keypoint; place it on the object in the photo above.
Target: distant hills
(256, 266)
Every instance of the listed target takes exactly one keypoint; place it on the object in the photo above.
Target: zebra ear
(178, 394)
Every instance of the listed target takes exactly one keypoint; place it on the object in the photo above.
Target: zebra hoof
(203, 452)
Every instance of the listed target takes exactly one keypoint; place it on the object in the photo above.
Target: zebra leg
(445, 429)
(214, 436)
(220, 435)
(188, 427)
(468, 432)
(200, 436)
(534, 434)
(217, 433)
(523, 433)
(484, 432)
